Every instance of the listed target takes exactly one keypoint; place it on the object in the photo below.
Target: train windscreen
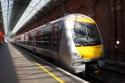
(85, 34)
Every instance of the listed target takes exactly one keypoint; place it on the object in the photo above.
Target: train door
(30, 39)
(26, 39)
(33, 34)
(56, 39)
(38, 38)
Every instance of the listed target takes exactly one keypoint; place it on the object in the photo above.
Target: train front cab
(84, 41)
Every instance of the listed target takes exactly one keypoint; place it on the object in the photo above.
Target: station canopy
(16, 13)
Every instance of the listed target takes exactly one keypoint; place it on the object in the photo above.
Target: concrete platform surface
(17, 67)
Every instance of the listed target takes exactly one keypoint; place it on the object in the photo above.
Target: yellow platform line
(51, 74)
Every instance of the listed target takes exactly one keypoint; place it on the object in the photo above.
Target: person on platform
(1, 38)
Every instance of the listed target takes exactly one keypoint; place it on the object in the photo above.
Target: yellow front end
(89, 53)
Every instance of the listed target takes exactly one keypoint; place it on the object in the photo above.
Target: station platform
(18, 67)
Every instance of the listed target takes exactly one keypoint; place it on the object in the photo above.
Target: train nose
(90, 52)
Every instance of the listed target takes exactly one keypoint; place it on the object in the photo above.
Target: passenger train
(73, 41)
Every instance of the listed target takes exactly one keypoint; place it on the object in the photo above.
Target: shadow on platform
(7, 68)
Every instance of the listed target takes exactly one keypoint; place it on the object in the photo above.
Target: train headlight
(77, 60)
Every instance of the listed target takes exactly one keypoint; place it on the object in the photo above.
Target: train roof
(60, 19)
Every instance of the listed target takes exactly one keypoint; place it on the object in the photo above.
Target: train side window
(38, 36)
(46, 37)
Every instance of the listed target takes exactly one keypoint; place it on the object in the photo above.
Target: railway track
(111, 72)
(114, 66)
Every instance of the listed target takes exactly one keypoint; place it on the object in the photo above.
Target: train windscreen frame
(86, 34)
